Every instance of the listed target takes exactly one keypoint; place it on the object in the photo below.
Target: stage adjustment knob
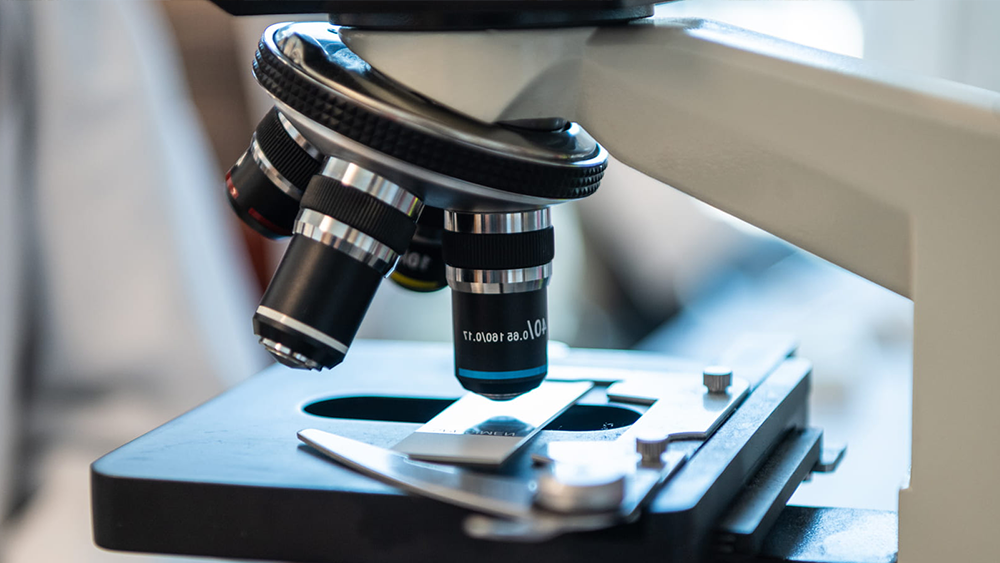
(717, 378)
(651, 449)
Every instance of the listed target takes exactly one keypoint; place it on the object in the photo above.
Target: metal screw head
(717, 378)
(650, 448)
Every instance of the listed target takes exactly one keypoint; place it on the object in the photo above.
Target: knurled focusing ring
(359, 213)
(494, 253)
(288, 151)
(351, 229)
(498, 251)
(265, 185)
(498, 266)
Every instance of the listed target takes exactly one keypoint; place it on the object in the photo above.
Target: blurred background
(127, 285)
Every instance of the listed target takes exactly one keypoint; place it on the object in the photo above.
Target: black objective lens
(498, 266)
(267, 182)
(353, 226)
(422, 267)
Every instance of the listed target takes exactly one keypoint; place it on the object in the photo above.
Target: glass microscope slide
(477, 431)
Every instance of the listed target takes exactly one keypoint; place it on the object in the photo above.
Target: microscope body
(891, 176)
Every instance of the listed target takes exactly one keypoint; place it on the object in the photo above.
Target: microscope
(427, 144)
(353, 167)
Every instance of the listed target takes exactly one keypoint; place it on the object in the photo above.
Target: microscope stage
(230, 479)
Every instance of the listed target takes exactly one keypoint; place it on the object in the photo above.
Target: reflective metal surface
(287, 356)
(498, 281)
(717, 378)
(502, 496)
(498, 223)
(298, 138)
(269, 170)
(378, 187)
(651, 448)
(345, 238)
(581, 488)
(682, 409)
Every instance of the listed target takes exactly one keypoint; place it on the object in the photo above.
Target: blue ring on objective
(514, 374)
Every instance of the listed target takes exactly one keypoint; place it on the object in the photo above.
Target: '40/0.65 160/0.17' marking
(535, 329)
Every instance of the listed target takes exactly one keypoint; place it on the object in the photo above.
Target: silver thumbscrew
(651, 448)
(717, 378)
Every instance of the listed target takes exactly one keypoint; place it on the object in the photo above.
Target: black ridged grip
(287, 157)
(365, 213)
(396, 139)
(498, 251)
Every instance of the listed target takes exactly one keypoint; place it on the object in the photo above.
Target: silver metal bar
(500, 496)
(682, 408)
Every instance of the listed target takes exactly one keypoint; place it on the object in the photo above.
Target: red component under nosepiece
(274, 228)
(233, 192)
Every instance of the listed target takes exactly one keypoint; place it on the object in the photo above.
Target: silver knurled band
(270, 171)
(301, 141)
(359, 178)
(519, 280)
(345, 238)
(498, 223)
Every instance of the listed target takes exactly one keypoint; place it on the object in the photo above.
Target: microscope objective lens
(498, 267)
(265, 185)
(352, 227)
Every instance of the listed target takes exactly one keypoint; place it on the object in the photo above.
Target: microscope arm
(891, 176)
